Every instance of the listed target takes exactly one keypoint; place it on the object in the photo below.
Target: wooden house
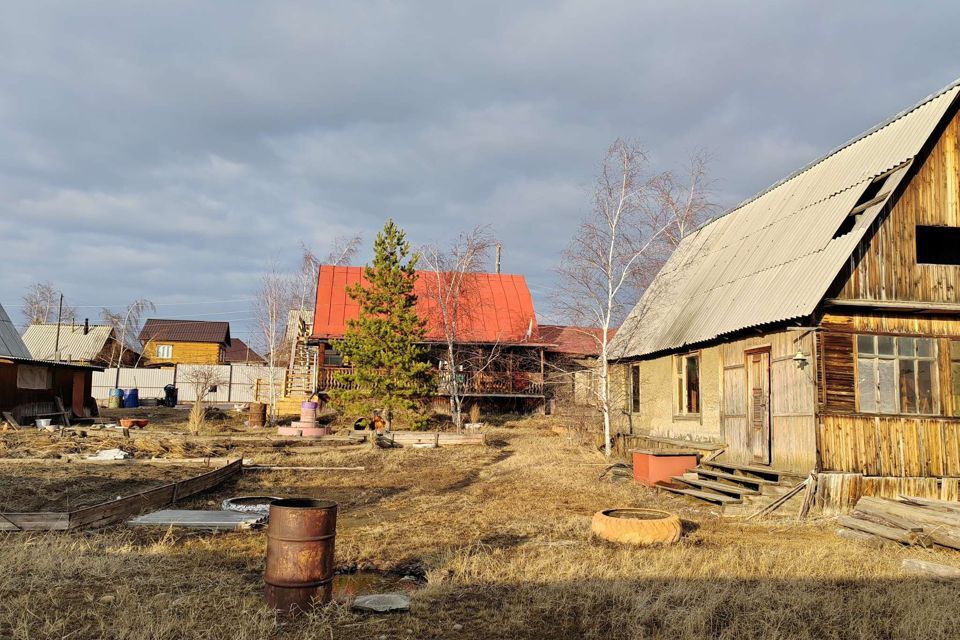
(816, 326)
(31, 388)
(239, 352)
(571, 366)
(168, 342)
(86, 343)
(500, 327)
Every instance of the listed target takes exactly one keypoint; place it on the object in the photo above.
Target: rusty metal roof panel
(773, 257)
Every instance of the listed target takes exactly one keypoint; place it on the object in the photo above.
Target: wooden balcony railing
(492, 383)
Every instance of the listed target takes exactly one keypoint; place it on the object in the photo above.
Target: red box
(651, 466)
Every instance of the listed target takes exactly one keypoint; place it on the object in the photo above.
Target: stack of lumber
(920, 521)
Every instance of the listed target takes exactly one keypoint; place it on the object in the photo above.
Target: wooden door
(758, 404)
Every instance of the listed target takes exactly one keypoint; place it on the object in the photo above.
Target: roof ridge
(810, 165)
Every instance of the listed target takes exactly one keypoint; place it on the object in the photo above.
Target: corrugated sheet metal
(41, 341)
(10, 342)
(239, 382)
(500, 310)
(185, 331)
(773, 257)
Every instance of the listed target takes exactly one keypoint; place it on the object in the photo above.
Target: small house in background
(88, 344)
(239, 352)
(32, 388)
(506, 372)
(168, 342)
(816, 326)
(572, 365)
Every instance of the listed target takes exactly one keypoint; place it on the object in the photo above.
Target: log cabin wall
(875, 444)
(792, 400)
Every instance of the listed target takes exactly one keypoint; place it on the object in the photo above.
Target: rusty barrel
(258, 414)
(300, 537)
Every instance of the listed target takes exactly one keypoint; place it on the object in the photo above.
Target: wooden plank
(716, 498)
(723, 475)
(35, 521)
(930, 569)
(880, 530)
(719, 487)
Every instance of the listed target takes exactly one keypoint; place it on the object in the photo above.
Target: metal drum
(257, 414)
(300, 539)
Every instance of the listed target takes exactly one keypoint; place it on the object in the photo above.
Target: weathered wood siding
(792, 401)
(885, 266)
(900, 446)
(187, 353)
(839, 492)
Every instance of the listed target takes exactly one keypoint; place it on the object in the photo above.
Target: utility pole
(499, 248)
(56, 344)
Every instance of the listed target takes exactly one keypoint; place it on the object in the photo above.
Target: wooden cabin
(168, 342)
(31, 388)
(502, 355)
(816, 326)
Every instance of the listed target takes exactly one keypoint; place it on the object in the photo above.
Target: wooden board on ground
(116, 510)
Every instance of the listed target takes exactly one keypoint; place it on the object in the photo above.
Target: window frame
(897, 357)
(680, 383)
(953, 358)
(634, 388)
(168, 348)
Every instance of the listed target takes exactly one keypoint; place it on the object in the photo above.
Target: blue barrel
(131, 399)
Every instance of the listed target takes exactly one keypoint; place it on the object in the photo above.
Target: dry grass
(502, 535)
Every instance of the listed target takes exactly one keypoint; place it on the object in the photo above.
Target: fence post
(230, 383)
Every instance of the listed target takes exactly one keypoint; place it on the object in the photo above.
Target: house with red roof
(500, 323)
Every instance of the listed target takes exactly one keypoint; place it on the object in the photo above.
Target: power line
(156, 304)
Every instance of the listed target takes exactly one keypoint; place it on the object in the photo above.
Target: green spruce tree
(389, 367)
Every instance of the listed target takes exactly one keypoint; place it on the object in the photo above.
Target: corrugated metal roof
(41, 341)
(11, 345)
(502, 311)
(575, 341)
(185, 331)
(773, 257)
(239, 351)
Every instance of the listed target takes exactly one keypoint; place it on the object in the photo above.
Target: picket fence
(236, 383)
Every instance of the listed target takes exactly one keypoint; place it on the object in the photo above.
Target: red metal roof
(503, 311)
(577, 341)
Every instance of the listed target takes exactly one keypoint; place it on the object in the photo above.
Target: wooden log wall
(839, 492)
(898, 446)
(885, 266)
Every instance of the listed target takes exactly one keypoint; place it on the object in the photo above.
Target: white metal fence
(234, 383)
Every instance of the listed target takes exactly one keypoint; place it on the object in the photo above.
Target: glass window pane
(887, 391)
(867, 385)
(906, 347)
(885, 345)
(955, 370)
(926, 387)
(693, 384)
(925, 347)
(635, 388)
(907, 384)
(866, 345)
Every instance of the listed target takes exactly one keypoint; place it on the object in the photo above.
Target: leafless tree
(342, 251)
(453, 300)
(636, 221)
(204, 380)
(271, 304)
(41, 305)
(127, 324)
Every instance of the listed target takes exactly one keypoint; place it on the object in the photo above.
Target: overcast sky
(173, 149)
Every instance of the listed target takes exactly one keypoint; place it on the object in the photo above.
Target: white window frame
(164, 350)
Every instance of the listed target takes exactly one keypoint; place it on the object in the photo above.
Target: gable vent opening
(870, 196)
(938, 245)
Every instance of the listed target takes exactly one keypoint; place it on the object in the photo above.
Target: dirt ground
(500, 538)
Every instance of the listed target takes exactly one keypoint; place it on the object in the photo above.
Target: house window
(955, 374)
(938, 245)
(635, 388)
(331, 358)
(687, 374)
(897, 375)
(164, 350)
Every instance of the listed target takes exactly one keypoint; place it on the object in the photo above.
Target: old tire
(636, 526)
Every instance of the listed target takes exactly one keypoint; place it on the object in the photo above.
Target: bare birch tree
(341, 252)
(204, 379)
(271, 304)
(127, 325)
(453, 300)
(41, 305)
(637, 220)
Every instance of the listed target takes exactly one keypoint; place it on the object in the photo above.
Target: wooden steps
(738, 488)
(707, 496)
(735, 490)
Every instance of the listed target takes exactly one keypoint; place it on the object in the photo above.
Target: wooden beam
(929, 307)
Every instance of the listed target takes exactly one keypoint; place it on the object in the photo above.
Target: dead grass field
(501, 535)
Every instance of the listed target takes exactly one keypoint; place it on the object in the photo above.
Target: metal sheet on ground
(196, 519)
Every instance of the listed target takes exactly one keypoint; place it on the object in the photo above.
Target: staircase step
(746, 468)
(709, 496)
(723, 475)
(731, 489)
